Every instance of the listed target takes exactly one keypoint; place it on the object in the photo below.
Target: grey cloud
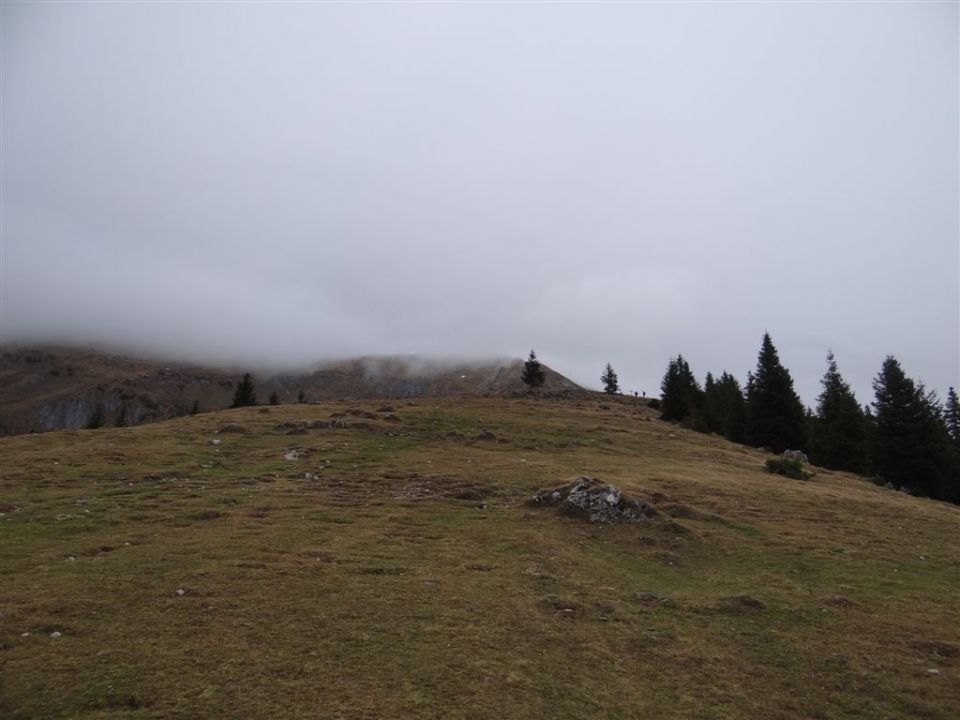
(281, 183)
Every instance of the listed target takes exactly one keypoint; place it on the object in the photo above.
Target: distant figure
(644, 393)
(636, 394)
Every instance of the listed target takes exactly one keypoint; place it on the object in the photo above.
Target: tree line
(905, 437)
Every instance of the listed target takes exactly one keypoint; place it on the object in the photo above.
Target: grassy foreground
(388, 569)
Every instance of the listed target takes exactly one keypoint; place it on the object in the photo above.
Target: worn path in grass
(351, 560)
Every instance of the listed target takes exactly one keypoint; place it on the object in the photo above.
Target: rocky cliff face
(43, 389)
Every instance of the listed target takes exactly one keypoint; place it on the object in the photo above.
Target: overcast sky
(601, 182)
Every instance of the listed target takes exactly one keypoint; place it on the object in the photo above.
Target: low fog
(278, 184)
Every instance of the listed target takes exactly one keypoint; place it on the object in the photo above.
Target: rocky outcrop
(795, 455)
(594, 501)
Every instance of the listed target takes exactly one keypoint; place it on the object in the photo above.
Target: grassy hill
(351, 560)
(51, 388)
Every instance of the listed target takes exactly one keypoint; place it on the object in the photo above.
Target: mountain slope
(44, 389)
(361, 561)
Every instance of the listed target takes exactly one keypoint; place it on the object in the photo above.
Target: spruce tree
(532, 374)
(723, 407)
(121, 420)
(951, 415)
(196, 407)
(301, 397)
(910, 444)
(274, 400)
(775, 415)
(609, 380)
(244, 395)
(679, 393)
(711, 403)
(838, 437)
(96, 418)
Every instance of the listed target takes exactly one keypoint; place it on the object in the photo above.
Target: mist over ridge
(276, 185)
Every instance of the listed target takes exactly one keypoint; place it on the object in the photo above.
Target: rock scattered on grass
(797, 455)
(653, 600)
(56, 634)
(595, 501)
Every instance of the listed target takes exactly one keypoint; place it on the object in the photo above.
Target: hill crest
(55, 388)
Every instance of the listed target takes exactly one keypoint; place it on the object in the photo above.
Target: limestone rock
(795, 455)
(595, 501)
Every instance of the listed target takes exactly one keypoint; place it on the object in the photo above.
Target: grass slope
(387, 569)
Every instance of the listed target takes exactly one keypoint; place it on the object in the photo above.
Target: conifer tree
(301, 397)
(723, 407)
(951, 414)
(679, 392)
(244, 395)
(838, 431)
(196, 407)
(96, 418)
(910, 445)
(121, 420)
(532, 374)
(775, 415)
(609, 380)
(274, 400)
(711, 403)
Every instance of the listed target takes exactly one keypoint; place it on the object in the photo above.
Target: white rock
(933, 671)
(216, 442)
(181, 592)
(55, 634)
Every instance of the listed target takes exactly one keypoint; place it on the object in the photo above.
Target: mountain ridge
(46, 388)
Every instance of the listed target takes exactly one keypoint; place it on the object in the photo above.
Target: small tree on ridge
(532, 375)
(244, 396)
(609, 380)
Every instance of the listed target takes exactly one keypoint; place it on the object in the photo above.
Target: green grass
(368, 579)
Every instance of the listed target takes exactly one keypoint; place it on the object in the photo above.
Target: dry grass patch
(391, 570)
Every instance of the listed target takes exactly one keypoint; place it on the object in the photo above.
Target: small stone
(26, 634)
(181, 592)
(71, 559)
(933, 671)
(56, 634)
(215, 442)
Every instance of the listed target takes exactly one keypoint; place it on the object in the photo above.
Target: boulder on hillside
(595, 501)
(795, 455)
